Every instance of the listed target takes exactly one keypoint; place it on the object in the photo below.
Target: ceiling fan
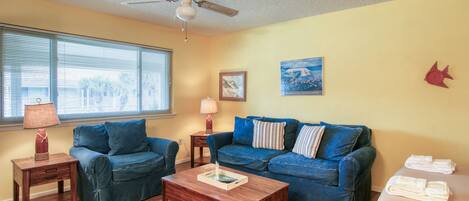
(186, 12)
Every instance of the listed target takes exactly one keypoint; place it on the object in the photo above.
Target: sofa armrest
(354, 165)
(217, 141)
(94, 167)
(168, 149)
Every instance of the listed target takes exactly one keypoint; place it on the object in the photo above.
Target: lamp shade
(208, 106)
(40, 116)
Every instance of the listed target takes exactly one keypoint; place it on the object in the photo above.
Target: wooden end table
(199, 139)
(184, 186)
(27, 172)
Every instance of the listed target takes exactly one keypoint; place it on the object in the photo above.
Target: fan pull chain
(185, 30)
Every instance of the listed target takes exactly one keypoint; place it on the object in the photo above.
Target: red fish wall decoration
(437, 77)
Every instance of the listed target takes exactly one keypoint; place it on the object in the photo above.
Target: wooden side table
(27, 172)
(199, 139)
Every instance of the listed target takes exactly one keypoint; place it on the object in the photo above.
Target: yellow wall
(376, 58)
(189, 74)
(375, 61)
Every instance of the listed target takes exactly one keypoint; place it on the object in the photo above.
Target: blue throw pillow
(290, 129)
(365, 135)
(337, 142)
(127, 137)
(243, 131)
(93, 137)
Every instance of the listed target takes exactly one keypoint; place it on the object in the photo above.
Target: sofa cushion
(128, 167)
(269, 135)
(337, 142)
(127, 137)
(308, 141)
(92, 137)
(321, 171)
(246, 156)
(290, 129)
(243, 131)
(365, 135)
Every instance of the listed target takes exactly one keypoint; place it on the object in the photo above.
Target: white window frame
(88, 117)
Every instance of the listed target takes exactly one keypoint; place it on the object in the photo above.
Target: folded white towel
(437, 189)
(420, 158)
(426, 163)
(410, 187)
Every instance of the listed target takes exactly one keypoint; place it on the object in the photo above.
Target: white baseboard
(41, 194)
(182, 160)
(377, 189)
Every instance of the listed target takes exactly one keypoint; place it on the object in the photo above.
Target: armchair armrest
(168, 149)
(217, 141)
(354, 165)
(95, 168)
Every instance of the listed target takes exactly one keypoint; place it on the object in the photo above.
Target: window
(83, 77)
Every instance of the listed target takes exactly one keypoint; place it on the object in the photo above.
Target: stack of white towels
(418, 189)
(427, 163)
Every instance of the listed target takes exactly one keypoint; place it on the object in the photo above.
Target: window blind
(83, 77)
(26, 71)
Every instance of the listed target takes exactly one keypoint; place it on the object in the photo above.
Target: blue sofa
(104, 176)
(344, 178)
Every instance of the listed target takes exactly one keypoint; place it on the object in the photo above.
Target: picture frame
(232, 86)
(302, 77)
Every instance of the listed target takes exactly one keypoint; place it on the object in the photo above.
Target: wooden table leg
(16, 191)
(163, 192)
(60, 186)
(192, 153)
(73, 181)
(201, 155)
(25, 187)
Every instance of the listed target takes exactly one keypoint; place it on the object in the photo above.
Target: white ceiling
(252, 13)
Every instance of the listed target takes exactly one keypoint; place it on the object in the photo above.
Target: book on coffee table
(223, 179)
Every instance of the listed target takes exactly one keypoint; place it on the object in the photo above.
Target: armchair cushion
(94, 138)
(127, 137)
(337, 142)
(322, 171)
(128, 167)
(246, 156)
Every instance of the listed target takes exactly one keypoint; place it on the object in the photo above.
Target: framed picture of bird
(302, 77)
(232, 86)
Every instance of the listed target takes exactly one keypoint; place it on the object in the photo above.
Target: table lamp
(208, 106)
(40, 116)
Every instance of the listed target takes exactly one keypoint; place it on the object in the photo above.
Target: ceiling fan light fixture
(186, 12)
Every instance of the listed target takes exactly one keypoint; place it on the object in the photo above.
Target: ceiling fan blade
(136, 2)
(217, 8)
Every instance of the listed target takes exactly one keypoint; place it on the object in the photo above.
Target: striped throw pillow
(309, 138)
(268, 135)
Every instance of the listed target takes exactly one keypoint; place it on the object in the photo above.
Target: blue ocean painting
(302, 77)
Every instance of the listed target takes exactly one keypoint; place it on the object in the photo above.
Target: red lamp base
(42, 145)
(208, 124)
(41, 156)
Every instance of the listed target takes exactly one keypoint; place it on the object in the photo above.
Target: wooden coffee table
(184, 186)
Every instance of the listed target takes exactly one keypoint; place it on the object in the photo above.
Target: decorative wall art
(437, 77)
(232, 86)
(302, 77)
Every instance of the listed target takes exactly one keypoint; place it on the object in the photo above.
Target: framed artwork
(232, 86)
(302, 77)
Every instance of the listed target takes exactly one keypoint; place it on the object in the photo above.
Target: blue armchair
(344, 178)
(124, 177)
